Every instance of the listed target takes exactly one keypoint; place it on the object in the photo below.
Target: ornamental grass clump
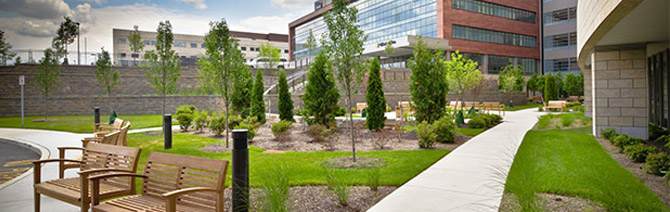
(372, 177)
(335, 182)
(281, 130)
(276, 187)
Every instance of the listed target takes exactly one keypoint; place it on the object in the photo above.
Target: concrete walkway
(471, 178)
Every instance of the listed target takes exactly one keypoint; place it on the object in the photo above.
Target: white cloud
(93, 1)
(199, 4)
(292, 3)
(41, 9)
(265, 24)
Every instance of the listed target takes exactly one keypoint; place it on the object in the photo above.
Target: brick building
(494, 33)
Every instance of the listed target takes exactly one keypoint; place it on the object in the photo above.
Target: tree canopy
(428, 85)
(135, 42)
(375, 98)
(47, 78)
(285, 103)
(511, 78)
(163, 64)
(107, 77)
(65, 35)
(272, 53)
(321, 95)
(462, 74)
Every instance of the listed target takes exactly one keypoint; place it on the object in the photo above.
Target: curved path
(470, 178)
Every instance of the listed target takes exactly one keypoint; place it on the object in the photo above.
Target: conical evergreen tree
(257, 103)
(285, 102)
(375, 98)
(241, 97)
(321, 95)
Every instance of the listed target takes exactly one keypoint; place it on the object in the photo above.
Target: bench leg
(37, 201)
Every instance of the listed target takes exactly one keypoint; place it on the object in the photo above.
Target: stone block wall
(620, 96)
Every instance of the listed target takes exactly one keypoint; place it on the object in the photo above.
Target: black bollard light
(96, 114)
(167, 130)
(240, 171)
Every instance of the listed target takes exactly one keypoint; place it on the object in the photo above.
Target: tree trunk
(351, 125)
(46, 106)
(226, 124)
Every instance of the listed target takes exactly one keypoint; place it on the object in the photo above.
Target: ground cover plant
(303, 168)
(567, 163)
(79, 123)
(523, 107)
(563, 120)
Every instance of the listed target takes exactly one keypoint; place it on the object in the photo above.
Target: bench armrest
(92, 171)
(95, 183)
(37, 167)
(171, 197)
(39, 162)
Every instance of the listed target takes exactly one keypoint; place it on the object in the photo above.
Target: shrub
(251, 130)
(566, 121)
(639, 152)
(445, 130)
(477, 122)
(373, 176)
(252, 120)
(495, 117)
(184, 116)
(319, 133)
(608, 133)
(281, 130)
(427, 135)
(573, 104)
(341, 111)
(234, 121)
(218, 125)
(657, 162)
(353, 110)
(200, 120)
(656, 131)
(623, 140)
(336, 184)
(540, 108)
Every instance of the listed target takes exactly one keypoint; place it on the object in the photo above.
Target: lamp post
(78, 53)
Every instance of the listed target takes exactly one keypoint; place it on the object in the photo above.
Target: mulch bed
(319, 198)
(553, 203)
(361, 163)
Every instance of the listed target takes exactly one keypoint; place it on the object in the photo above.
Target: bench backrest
(491, 104)
(361, 106)
(118, 123)
(122, 140)
(468, 105)
(169, 172)
(111, 138)
(557, 103)
(98, 156)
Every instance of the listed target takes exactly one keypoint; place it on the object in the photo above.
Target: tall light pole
(78, 53)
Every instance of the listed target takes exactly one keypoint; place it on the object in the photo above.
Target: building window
(122, 40)
(560, 16)
(657, 70)
(243, 48)
(122, 55)
(562, 64)
(493, 9)
(203, 46)
(194, 45)
(485, 35)
(135, 55)
(529, 65)
(285, 51)
(560, 41)
(497, 63)
(147, 42)
(479, 58)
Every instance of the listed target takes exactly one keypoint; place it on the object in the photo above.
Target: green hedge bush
(477, 122)
(623, 140)
(427, 135)
(184, 116)
(608, 133)
(251, 130)
(200, 120)
(445, 128)
(218, 125)
(657, 162)
(341, 111)
(639, 152)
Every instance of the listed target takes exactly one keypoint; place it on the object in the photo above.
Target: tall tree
(550, 88)
(540, 83)
(163, 63)
(223, 62)
(47, 79)
(580, 83)
(65, 35)
(310, 44)
(570, 84)
(257, 102)
(5, 46)
(531, 84)
(511, 78)
(462, 75)
(285, 103)
(428, 86)
(241, 96)
(345, 46)
(272, 53)
(321, 95)
(135, 42)
(106, 76)
(375, 98)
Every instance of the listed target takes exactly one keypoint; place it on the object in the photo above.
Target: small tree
(17, 61)
(580, 84)
(135, 42)
(375, 98)
(241, 97)
(345, 46)
(310, 44)
(65, 35)
(107, 77)
(571, 84)
(462, 75)
(428, 85)
(531, 84)
(222, 64)
(511, 78)
(163, 63)
(285, 103)
(550, 88)
(321, 95)
(5, 54)
(47, 79)
(272, 53)
(540, 84)
(388, 49)
(257, 102)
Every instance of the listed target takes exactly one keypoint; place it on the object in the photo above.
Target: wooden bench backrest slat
(98, 156)
(122, 139)
(169, 172)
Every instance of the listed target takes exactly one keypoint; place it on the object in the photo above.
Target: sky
(31, 24)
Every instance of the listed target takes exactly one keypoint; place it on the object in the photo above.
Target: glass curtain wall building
(493, 34)
(560, 36)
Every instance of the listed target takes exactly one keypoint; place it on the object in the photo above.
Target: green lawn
(304, 168)
(574, 164)
(523, 107)
(79, 123)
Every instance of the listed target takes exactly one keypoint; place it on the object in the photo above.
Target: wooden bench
(573, 99)
(535, 99)
(102, 129)
(97, 159)
(562, 105)
(454, 104)
(171, 183)
(360, 107)
(493, 106)
(469, 105)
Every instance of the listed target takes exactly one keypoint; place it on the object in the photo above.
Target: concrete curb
(39, 149)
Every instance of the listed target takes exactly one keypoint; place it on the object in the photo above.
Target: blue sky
(31, 24)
